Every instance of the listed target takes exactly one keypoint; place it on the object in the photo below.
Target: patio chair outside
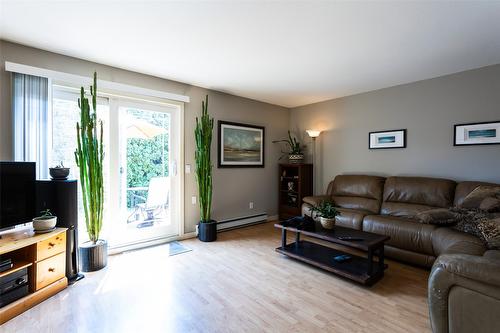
(155, 203)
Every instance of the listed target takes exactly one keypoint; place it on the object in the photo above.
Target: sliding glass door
(142, 150)
(147, 182)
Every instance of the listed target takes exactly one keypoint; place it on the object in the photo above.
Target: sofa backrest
(464, 188)
(406, 196)
(357, 192)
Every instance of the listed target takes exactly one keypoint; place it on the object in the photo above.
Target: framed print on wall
(387, 139)
(240, 145)
(487, 133)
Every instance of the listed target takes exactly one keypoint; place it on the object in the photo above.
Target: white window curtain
(31, 121)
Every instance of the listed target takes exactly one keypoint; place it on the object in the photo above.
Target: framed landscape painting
(487, 133)
(387, 139)
(240, 145)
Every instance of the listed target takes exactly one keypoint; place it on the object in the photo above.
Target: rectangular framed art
(387, 139)
(487, 133)
(240, 145)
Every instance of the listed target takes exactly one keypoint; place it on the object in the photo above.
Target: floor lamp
(314, 134)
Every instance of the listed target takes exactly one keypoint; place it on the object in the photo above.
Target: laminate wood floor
(237, 284)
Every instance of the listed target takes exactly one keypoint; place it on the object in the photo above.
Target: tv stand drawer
(50, 270)
(50, 247)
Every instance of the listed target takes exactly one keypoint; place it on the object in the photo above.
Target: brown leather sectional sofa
(465, 276)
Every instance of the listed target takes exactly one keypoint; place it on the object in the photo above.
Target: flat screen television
(17, 193)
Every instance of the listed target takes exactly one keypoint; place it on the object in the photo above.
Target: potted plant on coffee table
(326, 212)
(89, 158)
(207, 228)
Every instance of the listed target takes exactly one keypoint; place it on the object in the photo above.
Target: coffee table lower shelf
(321, 256)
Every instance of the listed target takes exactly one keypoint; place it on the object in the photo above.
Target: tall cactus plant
(89, 157)
(203, 137)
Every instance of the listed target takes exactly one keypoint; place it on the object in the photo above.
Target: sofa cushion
(407, 196)
(351, 218)
(437, 216)
(405, 233)
(474, 199)
(451, 241)
(492, 254)
(480, 224)
(490, 230)
(464, 188)
(490, 204)
(357, 192)
(403, 209)
(317, 199)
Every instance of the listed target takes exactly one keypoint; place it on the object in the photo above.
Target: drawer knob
(52, 269)
(52, 244)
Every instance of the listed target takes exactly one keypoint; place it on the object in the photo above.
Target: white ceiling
(289, 53)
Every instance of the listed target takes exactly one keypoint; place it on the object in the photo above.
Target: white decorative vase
(44, 223)
(295, 158)
(327, 223)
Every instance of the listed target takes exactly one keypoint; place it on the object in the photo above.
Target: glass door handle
(173, 167)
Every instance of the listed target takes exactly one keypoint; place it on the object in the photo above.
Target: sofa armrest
(317, 199)
(476, 273)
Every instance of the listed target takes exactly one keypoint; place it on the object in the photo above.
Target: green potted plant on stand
(89, 158)
(44, 223)
(326, 212)
(207, 228)
(294, 152)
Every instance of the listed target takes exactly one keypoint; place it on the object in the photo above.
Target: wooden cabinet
(295, 183)
(45, 257)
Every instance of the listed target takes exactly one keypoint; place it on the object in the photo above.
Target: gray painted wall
(428, 109)
(233, 188)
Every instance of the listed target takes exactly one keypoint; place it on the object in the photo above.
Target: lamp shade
(313, 133)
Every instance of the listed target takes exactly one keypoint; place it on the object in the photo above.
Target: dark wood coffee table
(359, 269)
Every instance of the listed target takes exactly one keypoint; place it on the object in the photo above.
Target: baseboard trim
(240, 222)
(149, 243)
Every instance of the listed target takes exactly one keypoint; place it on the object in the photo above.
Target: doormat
(177, 248)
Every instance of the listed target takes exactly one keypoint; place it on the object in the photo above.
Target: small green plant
(203, 138)
(46, 213)
(325, 209)
(293, 145)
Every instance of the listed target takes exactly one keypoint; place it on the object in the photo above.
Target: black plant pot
(207, 231)
(93, 257)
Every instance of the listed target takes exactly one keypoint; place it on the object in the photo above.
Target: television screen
(17, 193)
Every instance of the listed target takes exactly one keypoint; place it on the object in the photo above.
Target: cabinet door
(50, 270)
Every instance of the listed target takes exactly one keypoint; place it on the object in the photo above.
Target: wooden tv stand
(45, 257)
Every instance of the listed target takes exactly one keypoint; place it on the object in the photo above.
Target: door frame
(154, 99)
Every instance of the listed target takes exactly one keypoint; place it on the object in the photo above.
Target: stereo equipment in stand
(5, 264)
(60, 196)
(13, 286)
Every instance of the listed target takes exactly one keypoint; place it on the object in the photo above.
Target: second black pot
(207, 231)
(93, 257)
